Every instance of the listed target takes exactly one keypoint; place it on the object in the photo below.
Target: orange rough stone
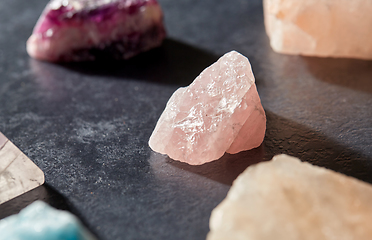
(325, 28)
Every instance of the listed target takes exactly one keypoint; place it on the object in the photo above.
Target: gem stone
(83, 30)
(220, 111)
(18, 174)
(286, 199)
(323, 28)
(39, 221)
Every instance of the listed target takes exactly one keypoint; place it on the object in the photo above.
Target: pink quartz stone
(324, 28)
(80, 30)
(219, 112)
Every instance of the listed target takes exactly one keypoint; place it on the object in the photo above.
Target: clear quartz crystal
(219, 112)
(18, 174)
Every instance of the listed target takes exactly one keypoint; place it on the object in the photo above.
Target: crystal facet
(80, 30)
(286, 199)
(38, 221)
(18, 174)
(326, 28)
(219, 112)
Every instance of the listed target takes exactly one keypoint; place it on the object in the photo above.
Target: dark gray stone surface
(86, 125)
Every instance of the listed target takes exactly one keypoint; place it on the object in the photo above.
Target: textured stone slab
(286, 199)
(18, 174)
(80, 30)
(219, 112)
(326, 28)
(38, 221)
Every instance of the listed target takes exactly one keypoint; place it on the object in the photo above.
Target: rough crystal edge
(10, 157)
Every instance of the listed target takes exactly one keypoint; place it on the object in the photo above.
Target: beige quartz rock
(18, 174)
(325, 28)
(286, 199)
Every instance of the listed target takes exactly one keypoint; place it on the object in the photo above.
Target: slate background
(86, 125)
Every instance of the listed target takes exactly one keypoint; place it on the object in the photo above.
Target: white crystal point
(219, 112)
(286, 199)
(325, 28)
(18, 174)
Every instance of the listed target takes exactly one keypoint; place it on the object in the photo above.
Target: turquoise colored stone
(39, 221)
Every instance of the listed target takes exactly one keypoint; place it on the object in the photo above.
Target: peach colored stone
(286, 199)
(219, 112)
(325, 28)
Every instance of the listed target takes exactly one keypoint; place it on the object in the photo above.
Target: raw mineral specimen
(80, 30)
(38, 221)
(18, 174)
(219, 112)
(286, 199)
(326, 28)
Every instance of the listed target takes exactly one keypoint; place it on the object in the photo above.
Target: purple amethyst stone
(83, 30)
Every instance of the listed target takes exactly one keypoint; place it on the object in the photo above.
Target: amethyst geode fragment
(83, 30)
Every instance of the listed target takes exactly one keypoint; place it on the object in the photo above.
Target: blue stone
(39, 221)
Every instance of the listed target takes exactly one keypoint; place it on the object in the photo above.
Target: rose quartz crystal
(286, 199)
(325, 28)
(219, 112)
(80, 30)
